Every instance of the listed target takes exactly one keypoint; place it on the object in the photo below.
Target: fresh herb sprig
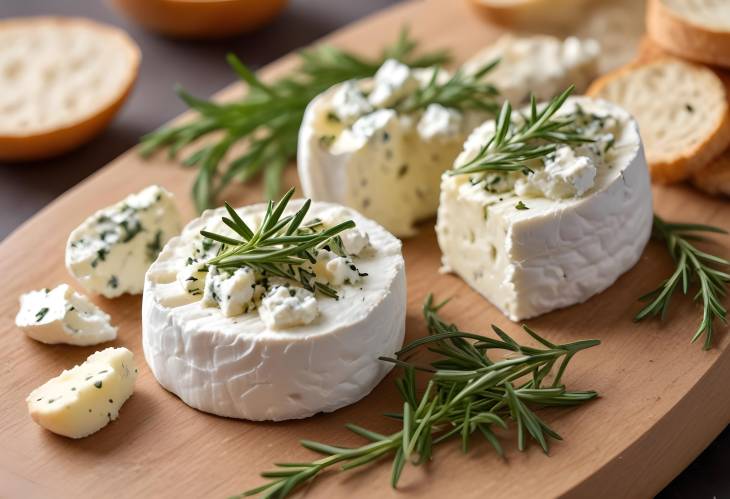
(692, 266)
(511, 147)
(280, 247)
(266, 120)
(462, 91)
(468, 393)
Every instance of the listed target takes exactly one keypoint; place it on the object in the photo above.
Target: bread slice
(61, 81)
(682, 110)
(694, 29)
(715, 177)
(531, 14)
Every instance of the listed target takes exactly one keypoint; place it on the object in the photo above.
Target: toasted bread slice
(694, 29)
(715, 177)
(531, 14)
(61, 81)
(682, 110)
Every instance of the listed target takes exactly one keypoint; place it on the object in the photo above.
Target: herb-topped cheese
(61, 315)
(85, 398)
(110, 252)
(379, 145)
(259, 332)
(565, 219)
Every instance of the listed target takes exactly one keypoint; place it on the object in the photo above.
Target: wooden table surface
(26, 188)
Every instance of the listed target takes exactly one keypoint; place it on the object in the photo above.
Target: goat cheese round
(61, 315)
(534, 243)
(111, 250)
(290, 354)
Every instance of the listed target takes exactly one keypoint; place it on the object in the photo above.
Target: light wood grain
(662, 399)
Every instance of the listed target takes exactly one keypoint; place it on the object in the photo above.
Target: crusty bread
(531, 14)
(61, 81)
(682, 110)
(694, 29)
(715, 177)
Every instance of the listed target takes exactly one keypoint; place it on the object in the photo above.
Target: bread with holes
(695, 29)
(61, 82)
(682, 110)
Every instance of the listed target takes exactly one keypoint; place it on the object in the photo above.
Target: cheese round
(561, 235)
(242, 366)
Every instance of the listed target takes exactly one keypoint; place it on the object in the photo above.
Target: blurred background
(200, 66)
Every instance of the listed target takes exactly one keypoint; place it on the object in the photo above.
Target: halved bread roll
(61, 81)
(694, 29)
(682, 110)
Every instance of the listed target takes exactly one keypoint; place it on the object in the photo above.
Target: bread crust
(715, 177)
(694, 158)
(531, 14)
(684, 38)
(45, 143)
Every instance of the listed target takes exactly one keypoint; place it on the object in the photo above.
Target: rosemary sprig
(280, 246)
(692, 266)
(511, 148)
(461, 91)
(266, 120)
(468, 394)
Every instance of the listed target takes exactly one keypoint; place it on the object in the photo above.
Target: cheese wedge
(61, 315)
(272, 350)
(532, 244)
(85, 398)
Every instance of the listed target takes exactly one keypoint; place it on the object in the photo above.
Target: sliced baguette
(715, 177)
(694, 29)
(61, 82)
(682, 110)
(531, 14)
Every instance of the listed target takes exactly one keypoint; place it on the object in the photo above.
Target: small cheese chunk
(286, 306)
(336, 270)
(110, 252)
(61, 315)
(393, 81)
(439, 122)
(354, 240)
(84, 399)
(349, 102)
(232, 292)
(565, 175)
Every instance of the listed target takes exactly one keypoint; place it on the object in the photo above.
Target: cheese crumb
(349, 103)
(393, 81)
(233, 293)
(439, 122)
(565, 175)
(286, 306)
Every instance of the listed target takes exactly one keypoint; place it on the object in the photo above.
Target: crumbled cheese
(61, 315)
(232, 292)
(335, 269)
(565, 175)
(439, 122)
(349, 102)
(286, 306)
(192, 277)
(354, 240)
(393, 81)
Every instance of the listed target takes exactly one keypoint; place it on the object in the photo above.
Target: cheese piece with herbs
(534, 223)
(62, 315)
(111, 251)
(380, 145)
(84, 399)
(277, 314)
(541, 65)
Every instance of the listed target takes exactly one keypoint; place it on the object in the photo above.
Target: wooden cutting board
(662, 399)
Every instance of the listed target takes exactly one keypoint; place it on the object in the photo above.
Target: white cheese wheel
(529, 255)
(241, 367)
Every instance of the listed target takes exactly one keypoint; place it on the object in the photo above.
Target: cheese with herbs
(84, 399)
(559, 235)
(356, 150)
(539, 64)
(61, 315)
(266, 348)
(110, 251)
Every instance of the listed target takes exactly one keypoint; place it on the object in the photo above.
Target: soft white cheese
(110, 251)
(253, 366)
(287, 306)
(439, 122)
(61, 315)
(530, 254)
(393, 81)
(564, 175)
(540, 64)
(349, 102)
(354, 240)
(336, 270)
(231, 292)
(85, 398)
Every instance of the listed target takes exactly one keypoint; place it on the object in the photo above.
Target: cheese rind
(530, 254)
(111, 250)
(248, 367)
(84, 399)
(61, 315)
